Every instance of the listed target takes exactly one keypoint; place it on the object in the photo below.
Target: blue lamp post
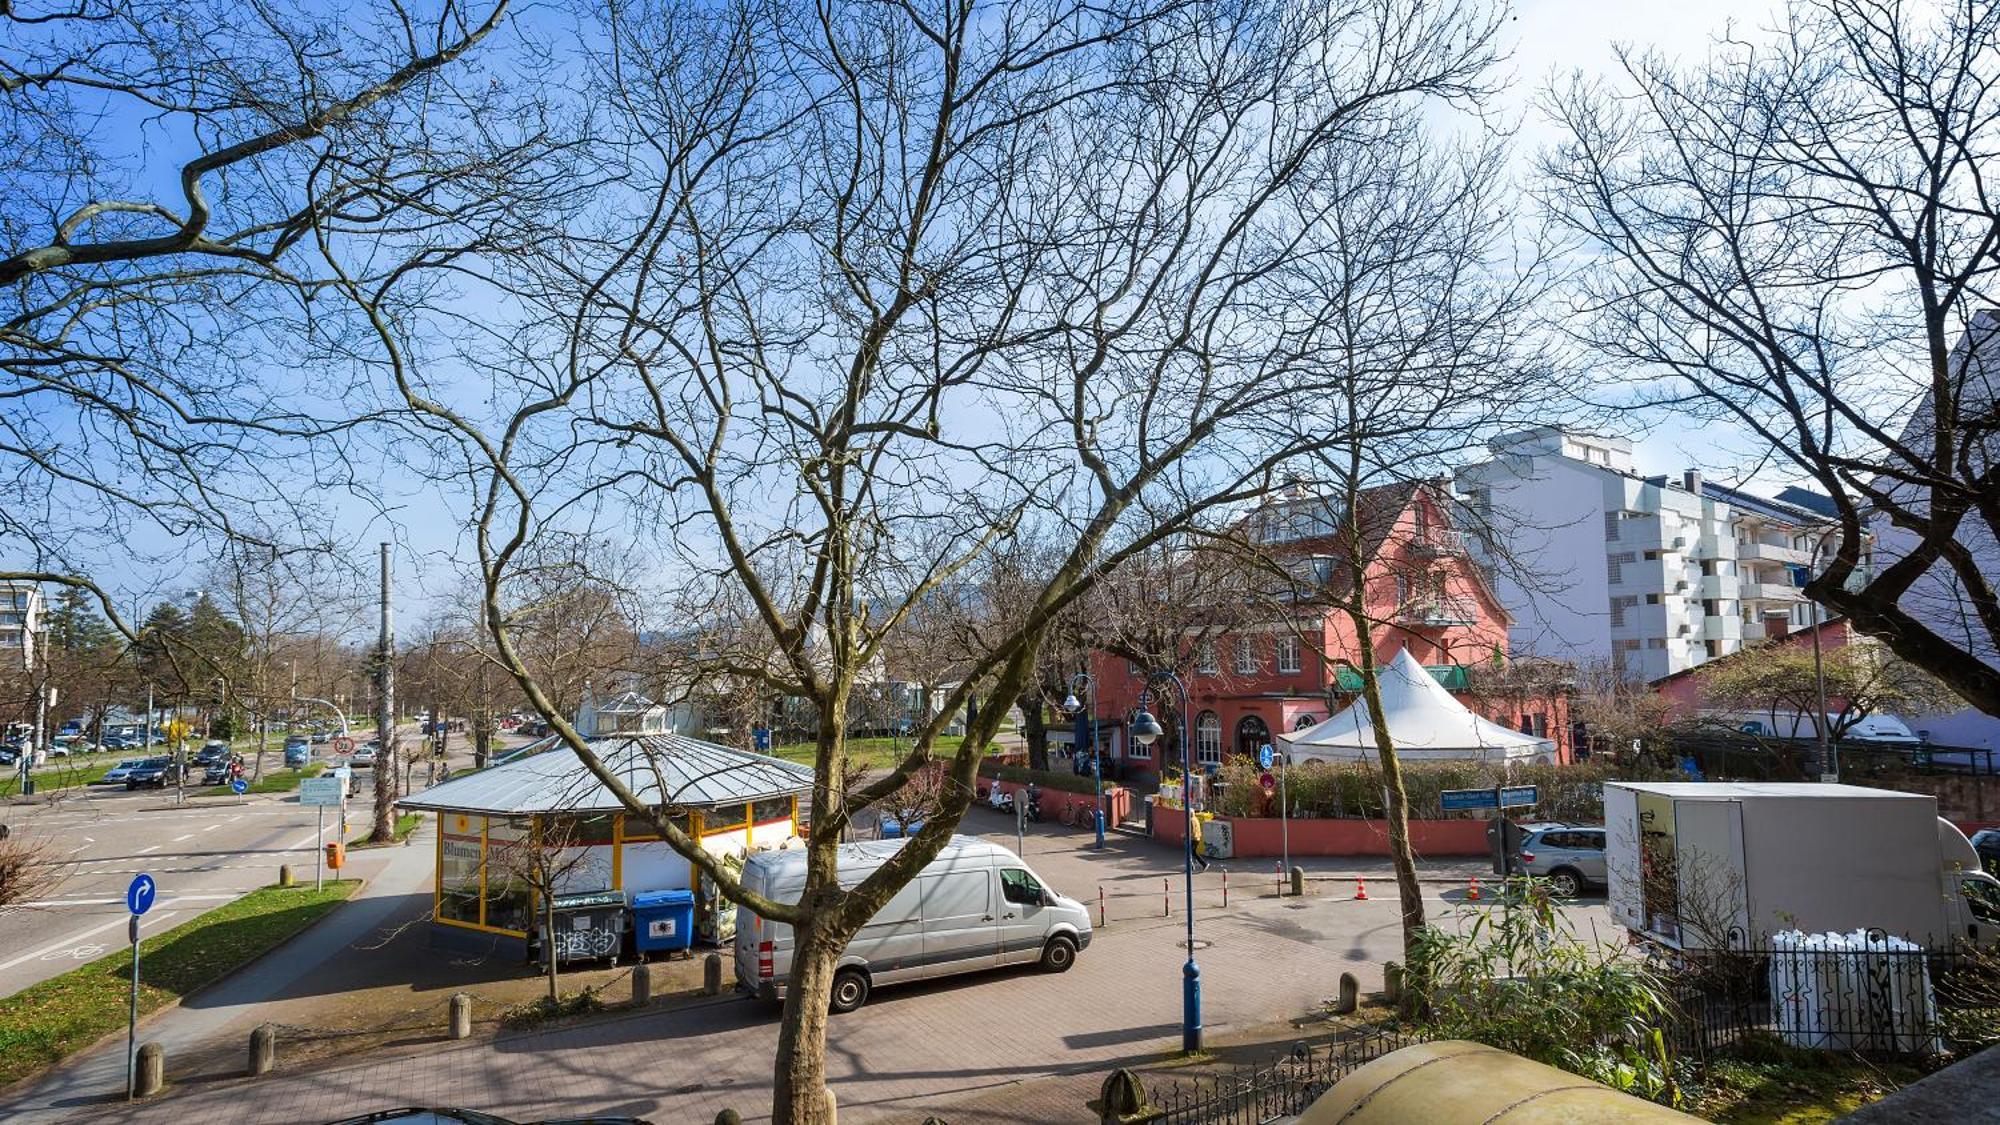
(1145, 731)
(1086, 728)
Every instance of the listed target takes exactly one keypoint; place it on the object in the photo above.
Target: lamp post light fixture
(1145, 731)
(1085, 717)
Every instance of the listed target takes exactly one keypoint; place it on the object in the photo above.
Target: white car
(364, 758)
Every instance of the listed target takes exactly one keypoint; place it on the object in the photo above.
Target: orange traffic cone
(1472, 894)
(1360, 889)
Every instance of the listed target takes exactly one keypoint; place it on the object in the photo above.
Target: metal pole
(319, 852)
(1829, 767)
(1190, 972)
(1284, 820)
(132, 1022)
(1021, 823)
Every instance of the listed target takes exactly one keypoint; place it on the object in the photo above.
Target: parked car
(364, 758)
(321, 737)
(218, 773)
(9, 755)
(117, 774)
(212, 751)
(1571, 859)
(156, 772)
(119, 742)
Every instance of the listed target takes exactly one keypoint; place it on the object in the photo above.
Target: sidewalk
(96, 1078)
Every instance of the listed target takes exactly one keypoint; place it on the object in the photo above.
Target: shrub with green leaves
(1518, 978)
(1572, 793)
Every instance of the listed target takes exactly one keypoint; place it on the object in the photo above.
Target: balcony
(1769, 592)
(1438, 613)
(1754, 631)
(1710, 587)
(1709, 547)
(1436, 543)
(1755, 551)
(1721, 628)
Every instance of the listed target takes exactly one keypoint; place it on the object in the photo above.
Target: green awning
(1452, 677)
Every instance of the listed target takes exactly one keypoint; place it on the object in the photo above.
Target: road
(206, 852)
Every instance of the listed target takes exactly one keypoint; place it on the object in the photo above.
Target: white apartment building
(21, 608)
(1650, 575)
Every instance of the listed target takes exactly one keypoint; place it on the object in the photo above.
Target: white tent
(1425, 723)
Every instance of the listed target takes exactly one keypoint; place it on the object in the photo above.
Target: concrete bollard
(1350, 995)
(1122, 1099)
(711, 975)
(263, 1049)
(642, 983)
(1298, 882)
(1392, 982)
(152, 1076)
(729, 1117)
(832, 1108)
(461, 1015)
(285, 875)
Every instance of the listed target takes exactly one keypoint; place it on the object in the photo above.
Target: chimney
(1691, 480)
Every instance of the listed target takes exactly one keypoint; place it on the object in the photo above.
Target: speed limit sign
(343, 745)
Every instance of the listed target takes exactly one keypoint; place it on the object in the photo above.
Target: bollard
(1225, 890)
(1392, 982)
(642, 983)
(284, 874)
(1100, 905)
(1350, 995)
(832, 1108)
(1166, 899)
(1298, 881)
(152, 1070)
(711, 974)
(263, 1049)
(461, 1016)
(1122, 1099)
(729, 1117)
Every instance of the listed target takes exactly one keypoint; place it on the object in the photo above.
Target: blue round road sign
(1264, 756)
(239, 786)
(139, 896)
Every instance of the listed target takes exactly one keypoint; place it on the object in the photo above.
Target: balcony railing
(1435, 543)
(1438, 613)
(1769, 592)
(1753, 551)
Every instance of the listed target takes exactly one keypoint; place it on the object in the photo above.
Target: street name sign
(324, 790)
(1513, 796)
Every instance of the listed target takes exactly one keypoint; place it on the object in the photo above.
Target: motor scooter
(1032, 798)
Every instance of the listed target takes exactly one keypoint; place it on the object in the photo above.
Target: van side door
(1023, 920)
(961, 931)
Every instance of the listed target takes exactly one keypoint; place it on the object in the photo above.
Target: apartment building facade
(21, 622)
(1650, 575)
(1270, 671)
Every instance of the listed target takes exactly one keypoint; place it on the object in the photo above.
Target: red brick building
(1281, 670)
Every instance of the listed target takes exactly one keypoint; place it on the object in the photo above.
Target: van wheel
(1564, 883)
(850, 990)
(1059, 954)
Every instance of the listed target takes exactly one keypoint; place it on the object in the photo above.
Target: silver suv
(1571, 859)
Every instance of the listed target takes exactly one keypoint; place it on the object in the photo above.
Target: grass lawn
(43, 1024)
(868, 753)
(1795, 1088)
(406, 823)
(64, 773)
(277, 781)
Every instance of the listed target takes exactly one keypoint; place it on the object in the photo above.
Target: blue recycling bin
(663, 920)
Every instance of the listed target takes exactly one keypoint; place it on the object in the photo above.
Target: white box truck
(975, 906)
(1704, 865)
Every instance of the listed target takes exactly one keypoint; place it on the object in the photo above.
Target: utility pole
(385, 719)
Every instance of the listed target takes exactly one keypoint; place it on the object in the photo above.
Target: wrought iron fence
(1253, 1095)
(1886, 999)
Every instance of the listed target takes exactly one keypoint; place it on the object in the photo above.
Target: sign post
(327, 789)
(138, 899)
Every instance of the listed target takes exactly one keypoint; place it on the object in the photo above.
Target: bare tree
(29, 870)
(867, 289)
(1798, 237)
(545, 861)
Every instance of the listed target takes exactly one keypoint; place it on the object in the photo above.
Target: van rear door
(961, 930)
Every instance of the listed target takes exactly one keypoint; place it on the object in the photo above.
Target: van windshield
(1017, 886)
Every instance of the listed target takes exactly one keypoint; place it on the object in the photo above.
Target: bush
(1519, 979)
(1064, 780)
(542, 1009)
(1572, 793)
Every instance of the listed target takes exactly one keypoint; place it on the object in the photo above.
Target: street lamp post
(1145, 731)
(1085, 714)
(1829, 765)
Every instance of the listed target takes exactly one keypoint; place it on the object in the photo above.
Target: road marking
(211, 828)
(54, 903)
(148, 848)
(185, 836)
(71, 940)
(79, 848)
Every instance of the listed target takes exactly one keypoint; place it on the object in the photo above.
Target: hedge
(1048, 779)
(1572, 793)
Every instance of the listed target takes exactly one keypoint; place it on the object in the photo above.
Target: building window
(1304, 721)
(1652, 599)
(1208, 737)
(1618, 607)
(1204, 656)
(1246, 656)
(1136, 750)
(1288, 654)
(1652, 556)
(1656, 642)
(1614, 566)
(1611, 527)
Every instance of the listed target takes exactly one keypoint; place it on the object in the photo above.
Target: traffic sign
(343, 745)
(1269, 782)
(326, 789)
(239, 786)
(1516, 796)
(139, 896)
(1513, 796)
(1264, 758)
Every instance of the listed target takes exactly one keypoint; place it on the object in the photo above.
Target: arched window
(1304, 721)
(1251, 733)
(1208, 737)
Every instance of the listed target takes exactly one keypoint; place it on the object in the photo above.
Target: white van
(977, 906)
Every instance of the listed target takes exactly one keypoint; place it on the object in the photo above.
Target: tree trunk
(1396, 802)
(1034, 728)
(799, 1097)
(549, 944)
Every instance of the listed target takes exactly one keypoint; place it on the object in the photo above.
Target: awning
(1425, 724)
(662, 770)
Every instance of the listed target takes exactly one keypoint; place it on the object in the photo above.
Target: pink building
(1251, 678)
